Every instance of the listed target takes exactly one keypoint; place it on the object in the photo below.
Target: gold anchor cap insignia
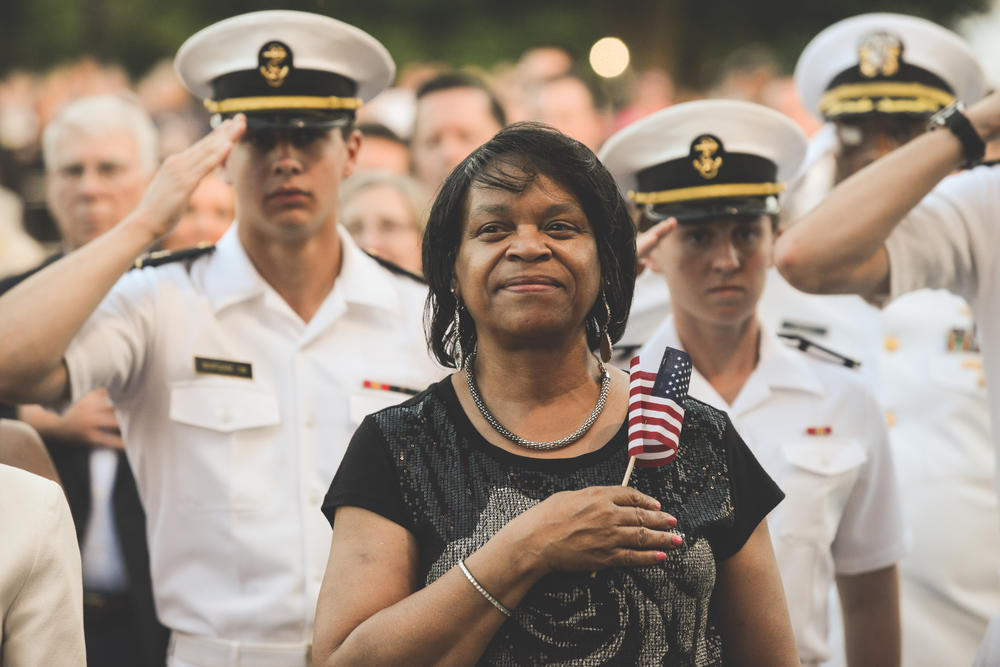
(706, 161)
(879, 54)
(275, 61)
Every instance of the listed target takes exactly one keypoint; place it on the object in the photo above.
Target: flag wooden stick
(628, 471)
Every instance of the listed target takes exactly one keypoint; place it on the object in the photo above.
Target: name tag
(222, 367)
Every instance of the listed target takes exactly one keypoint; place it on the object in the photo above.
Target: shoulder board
(396, 268)
(817, 350)
(789, 326)
(160, 257)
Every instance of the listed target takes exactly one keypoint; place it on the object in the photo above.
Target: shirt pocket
(958, 371)
(820, 475)
(226, 437)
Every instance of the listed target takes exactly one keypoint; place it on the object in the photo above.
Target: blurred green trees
(689, 37)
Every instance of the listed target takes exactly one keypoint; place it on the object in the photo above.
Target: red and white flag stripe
(655, 422)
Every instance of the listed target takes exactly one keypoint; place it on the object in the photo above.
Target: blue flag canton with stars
(674, 376)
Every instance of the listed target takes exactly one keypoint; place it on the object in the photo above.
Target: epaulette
(819, 351)
(396, 268)
(804, 327)
(160, 257)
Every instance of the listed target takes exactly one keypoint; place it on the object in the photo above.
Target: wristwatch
(952, 118)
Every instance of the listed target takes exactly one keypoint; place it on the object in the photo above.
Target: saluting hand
(647, 240)
(167, 196)
(595, 528)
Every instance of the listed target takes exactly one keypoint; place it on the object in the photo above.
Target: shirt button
(310, 420)
(890, 418)
(891, 343)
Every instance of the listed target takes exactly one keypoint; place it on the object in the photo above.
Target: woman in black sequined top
(527, 241)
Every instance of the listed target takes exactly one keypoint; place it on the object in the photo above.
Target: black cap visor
(706, 209)
(292, 119)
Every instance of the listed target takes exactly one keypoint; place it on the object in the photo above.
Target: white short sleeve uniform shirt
(236, 414)
(820, 434)
(950, 241)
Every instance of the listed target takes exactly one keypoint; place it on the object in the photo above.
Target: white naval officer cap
(706, 159)
(283, 67)
(886, 64)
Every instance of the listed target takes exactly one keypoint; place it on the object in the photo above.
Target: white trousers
(191, 651)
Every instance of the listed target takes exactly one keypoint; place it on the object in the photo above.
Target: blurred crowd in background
(544, 84)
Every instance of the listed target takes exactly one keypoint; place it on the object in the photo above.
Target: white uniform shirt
(940, 435)
(951, 241)
(232, 470)
(841, 513)
(41, 594)
(935, 401)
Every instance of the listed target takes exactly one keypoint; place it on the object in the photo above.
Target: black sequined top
(423, 465)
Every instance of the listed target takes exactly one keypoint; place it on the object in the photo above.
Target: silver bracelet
(482, 591)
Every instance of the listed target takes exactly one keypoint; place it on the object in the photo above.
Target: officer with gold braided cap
(238, 375)
(876, 79)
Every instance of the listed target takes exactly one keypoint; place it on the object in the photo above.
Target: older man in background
(100, 153)
(456, 113)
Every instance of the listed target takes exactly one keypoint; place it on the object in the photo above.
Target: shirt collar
(362, 280)
(232, 277)
(779, 367)
(783, 367)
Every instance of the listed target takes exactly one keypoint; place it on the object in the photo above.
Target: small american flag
(655, 409)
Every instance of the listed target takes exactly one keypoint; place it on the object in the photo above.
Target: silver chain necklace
(470, 380)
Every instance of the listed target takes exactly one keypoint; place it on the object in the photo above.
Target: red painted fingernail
(671, 521)
(677, 540)
(661, 556)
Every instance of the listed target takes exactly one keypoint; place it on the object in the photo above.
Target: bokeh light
(609, 57)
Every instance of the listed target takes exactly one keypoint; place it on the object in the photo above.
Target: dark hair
(380, 131)
(511, 161)
(450, 80)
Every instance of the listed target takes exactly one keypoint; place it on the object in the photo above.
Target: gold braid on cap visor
(884, 97)
(717, 191)
(279, 102)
